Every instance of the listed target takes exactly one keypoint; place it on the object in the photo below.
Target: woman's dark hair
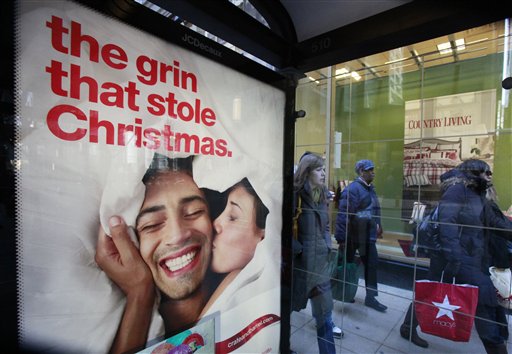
(307, 164)
(474, 167)
(261, 210)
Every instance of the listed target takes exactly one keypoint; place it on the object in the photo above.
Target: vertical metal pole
(287, 212)
(328, 135)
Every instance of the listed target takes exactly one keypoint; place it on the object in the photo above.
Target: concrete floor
(369, 331)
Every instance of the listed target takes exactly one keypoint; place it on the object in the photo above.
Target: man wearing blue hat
(358, 225)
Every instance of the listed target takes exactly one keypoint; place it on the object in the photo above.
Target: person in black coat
(311, 278)
(465, 218)
(462, 234)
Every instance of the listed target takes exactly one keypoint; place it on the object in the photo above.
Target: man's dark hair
(162, 163)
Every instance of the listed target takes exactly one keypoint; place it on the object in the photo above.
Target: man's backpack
(426, 234)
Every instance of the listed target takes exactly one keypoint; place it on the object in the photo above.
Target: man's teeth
(180, 262)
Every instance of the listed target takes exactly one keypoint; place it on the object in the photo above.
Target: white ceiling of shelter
(314, 17)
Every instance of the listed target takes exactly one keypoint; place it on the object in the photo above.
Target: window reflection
(417, 113)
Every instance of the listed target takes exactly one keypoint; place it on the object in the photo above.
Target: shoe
(337, 332)
(405, 331)
(374, 304)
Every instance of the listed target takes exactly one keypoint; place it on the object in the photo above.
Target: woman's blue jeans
(321, 306)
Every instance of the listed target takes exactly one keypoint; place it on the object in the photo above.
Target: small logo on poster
(198, 340)
(199, 44)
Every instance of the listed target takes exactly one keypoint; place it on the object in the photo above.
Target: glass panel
(311, 133)
(416, 112)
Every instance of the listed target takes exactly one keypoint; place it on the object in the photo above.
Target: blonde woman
(311, 265)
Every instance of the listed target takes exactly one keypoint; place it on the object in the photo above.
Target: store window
(416, 112)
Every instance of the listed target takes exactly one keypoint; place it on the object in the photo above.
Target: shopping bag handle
(442, 276)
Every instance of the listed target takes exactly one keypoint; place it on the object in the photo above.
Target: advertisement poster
(149, 190)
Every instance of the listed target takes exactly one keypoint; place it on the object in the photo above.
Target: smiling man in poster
(174, 231)
(105, 98)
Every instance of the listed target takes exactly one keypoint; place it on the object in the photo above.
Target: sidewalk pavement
(368, 331)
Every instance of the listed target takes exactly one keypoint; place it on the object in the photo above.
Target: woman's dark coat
(311, 266)
(462, 234)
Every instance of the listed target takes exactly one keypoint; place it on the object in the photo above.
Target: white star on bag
(445, 308)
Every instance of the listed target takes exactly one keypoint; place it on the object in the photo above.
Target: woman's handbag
(345, 279)
(500, 278)
(446, 310)
(296, 245)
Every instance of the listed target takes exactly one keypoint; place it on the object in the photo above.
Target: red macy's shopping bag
(446, 310)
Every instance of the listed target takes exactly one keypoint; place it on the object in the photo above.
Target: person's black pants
(491, 325)
(369, 258)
